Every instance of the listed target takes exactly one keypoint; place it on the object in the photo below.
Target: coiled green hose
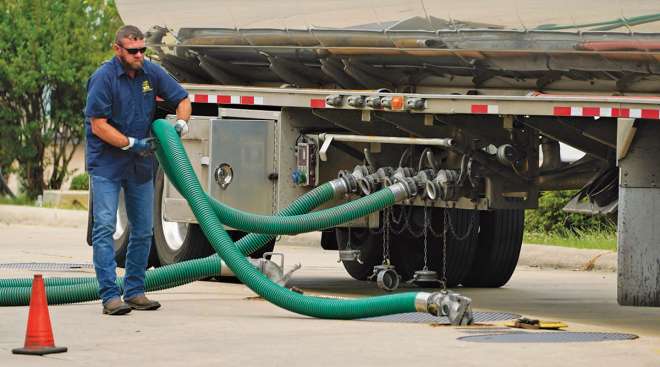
(314, 221)
(16, 292)
(177, 166)
(171, 150)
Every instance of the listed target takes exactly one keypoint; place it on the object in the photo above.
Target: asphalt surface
(207, 323)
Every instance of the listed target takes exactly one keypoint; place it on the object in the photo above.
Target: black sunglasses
(133, 51)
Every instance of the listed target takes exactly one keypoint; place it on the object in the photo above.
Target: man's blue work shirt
(129, 105)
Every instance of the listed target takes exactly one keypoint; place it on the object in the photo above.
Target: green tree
(48, 50)
(550, 218)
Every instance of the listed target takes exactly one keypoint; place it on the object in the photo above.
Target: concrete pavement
(212, 323)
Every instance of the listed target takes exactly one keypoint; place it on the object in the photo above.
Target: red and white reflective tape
(224, 99)
(485, 109)
(317, 103)
(644, 113)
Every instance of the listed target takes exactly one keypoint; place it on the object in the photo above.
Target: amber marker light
(397, 102)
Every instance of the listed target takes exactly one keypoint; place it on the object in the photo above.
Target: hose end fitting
(351, 178)
(444, 186)
(432, 190)
(422, 301)
(371, 183)
(457, 308)
(422, 178)
(339, 187)
(348, 180)
(402, 191)
(368, 184)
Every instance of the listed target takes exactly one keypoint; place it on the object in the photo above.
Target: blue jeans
(139, 199)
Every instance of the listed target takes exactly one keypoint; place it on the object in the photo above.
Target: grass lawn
(600, 240)
(19, 200)
(25, 201)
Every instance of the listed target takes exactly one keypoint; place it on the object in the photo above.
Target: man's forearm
(184, 109)
(107, 133)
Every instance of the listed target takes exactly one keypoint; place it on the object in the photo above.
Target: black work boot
(141, 303)
(116, 307)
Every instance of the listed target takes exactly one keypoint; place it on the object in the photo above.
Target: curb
(27, 215)
(557, 257)
(539, 256)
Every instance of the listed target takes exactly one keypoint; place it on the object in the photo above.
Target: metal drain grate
(46, 266)
(421, 317)
(547, 337)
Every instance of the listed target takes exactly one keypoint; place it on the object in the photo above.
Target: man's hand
(142, 147)
(181, 127)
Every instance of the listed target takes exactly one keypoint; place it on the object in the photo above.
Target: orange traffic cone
(39, 336)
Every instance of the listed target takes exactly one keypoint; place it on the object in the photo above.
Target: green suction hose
(177, 166)
(314, 221)
(16, 292)
(171, 150)
(291, 224)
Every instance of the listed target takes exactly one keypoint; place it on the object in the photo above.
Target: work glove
(181, 127)
(143, 147)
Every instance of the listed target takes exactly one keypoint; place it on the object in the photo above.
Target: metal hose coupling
(444, 186)
(400, 173)
(373, 182)
(267, 267)
(403, 190)
(339, 187)
(457, 308)
(351, 178)
(422, 178)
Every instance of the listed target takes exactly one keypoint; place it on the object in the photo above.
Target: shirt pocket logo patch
(146, 87)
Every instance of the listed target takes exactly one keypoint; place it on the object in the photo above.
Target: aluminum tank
(297, 14)
(409, 46)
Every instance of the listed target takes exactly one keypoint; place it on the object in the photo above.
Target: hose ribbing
(16, 292)
(175, 162)
(171, 150)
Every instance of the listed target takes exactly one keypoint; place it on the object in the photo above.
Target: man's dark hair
(128, 31)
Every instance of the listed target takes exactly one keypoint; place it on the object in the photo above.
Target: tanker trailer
(469, 105)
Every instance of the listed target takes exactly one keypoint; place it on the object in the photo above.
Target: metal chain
(380, 229)
(410, 224)
(433, 232)
(470, 225)
(429, 226)
(447, 226)
(276, 149)
(276, 142)
(386, 237)
(388, 215)
(426, 225)
(443, 278)
(401, 216)
(404, 218)
(348, 244)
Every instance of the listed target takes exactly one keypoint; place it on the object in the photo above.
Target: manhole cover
(421, 317)
(46, 266)
(547, 337)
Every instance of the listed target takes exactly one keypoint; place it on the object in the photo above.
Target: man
(121, 100)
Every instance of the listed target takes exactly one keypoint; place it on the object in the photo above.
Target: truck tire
(122, 231)
(175, 241)
(408, 251)
(371, 250)
(179, 241)
(500, 240)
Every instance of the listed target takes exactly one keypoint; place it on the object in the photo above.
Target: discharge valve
(456, 307)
